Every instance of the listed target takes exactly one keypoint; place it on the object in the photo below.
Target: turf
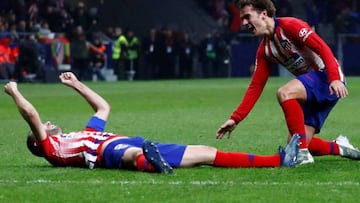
(180, 111)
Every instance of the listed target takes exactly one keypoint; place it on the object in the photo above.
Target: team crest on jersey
(303, 32)
(286, 44)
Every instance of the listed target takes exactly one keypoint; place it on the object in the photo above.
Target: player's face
(51, 128)
(253, 20)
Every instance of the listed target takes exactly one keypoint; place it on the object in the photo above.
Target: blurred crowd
(343, 16)
(37, 36)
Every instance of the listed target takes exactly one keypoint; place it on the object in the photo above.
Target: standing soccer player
(306, 100)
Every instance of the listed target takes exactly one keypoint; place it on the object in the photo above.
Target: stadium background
(337, 21)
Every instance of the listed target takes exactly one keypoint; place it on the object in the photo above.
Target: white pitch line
(199, 182)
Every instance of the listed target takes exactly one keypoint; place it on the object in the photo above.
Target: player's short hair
(32, 146)
(260, 5)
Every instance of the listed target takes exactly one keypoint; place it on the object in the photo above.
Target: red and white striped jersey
(299, 49)
(78, 149)
(295, 46)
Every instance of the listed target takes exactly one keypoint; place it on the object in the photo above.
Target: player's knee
(197, 155)
(208, 149)
(200, 150)
(283, 94)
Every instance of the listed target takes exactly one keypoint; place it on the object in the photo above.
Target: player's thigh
(198, 155)
(294, 89)
(131, 153)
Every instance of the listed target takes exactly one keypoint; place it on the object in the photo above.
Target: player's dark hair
(31, 145)
(260, 5)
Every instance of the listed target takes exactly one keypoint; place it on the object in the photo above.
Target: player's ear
(264, 13)
(32, 146)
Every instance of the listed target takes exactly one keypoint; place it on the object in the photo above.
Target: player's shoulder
(294, 28)
(291, 22)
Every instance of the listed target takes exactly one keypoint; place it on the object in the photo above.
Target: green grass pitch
(179, 111)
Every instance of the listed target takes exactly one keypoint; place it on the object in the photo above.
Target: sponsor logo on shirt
(303, 32)
(286, 44)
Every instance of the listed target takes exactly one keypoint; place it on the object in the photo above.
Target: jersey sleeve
(256, 86)
(95, 124)
(302, 34)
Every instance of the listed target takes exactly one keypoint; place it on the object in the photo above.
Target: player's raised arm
(99, 104)
(27, 111)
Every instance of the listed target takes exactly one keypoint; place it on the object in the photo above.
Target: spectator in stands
(81, 16)
(119, 53)
(133, 51)
(208, 55)
(22, 28)
(61, 5)
(97, 59)
(4, 32)
(222, 56)
(79, 49)
(110, 32)
(6, 62)
(95, 12)
(187, 49)
(33, 10)
(45, 35)
(168, 53)
(53, 18)
(14, 49)
(11, 17)
(13, 30)
(29, 65)
(150, 50)
(66, 22)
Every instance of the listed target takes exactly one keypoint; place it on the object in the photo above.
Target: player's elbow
(108, 107)
(105, 107)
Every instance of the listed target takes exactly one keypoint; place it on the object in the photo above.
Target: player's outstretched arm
(99, 104)
(27, 111)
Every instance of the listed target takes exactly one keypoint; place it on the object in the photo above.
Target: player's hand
(10, 88)
(68, 78)
(226, 128)
(337, 87)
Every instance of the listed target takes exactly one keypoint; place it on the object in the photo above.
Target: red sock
(244, 160)
(143, 165)
(294, 117)
(320, 147)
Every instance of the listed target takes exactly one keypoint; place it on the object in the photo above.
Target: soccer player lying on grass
(92, 147)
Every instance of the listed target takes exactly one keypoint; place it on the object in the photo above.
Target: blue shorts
(319, 102)
(114, 151)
